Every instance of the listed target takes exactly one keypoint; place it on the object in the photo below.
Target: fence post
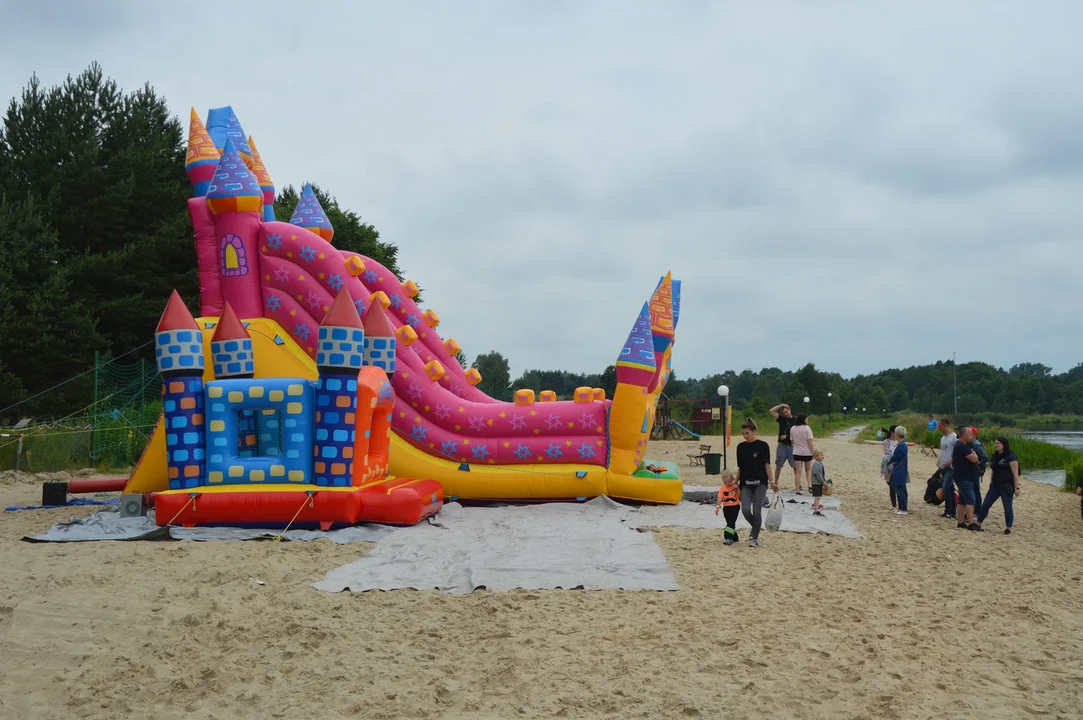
(94, 412)
(18, 452)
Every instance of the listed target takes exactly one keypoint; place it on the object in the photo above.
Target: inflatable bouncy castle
(313, 390)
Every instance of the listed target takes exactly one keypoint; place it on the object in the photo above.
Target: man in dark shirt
(964, 461)
(784, 452)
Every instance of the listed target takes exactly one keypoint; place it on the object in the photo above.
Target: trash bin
(712, 462)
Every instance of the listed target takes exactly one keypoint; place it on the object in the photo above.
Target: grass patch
(107, 443)
(1033, 454)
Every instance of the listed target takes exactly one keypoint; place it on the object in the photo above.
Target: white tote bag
(774, 515)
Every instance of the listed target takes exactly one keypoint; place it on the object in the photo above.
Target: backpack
(936, 482)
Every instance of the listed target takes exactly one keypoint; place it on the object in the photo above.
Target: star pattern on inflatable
(552, 422)
(442, 411)
(585, 451)
(313, 299)
(282, 274)
(476, 423)
(274, 241)
(396, 301)
(449, 448)
(517, 422)
(480, 451)
(586, 420)
(301, 331)
(272, 302)
(418, 432)
(360, 306)
(307, 253)
(369, 276)
(414, 392)
(412, 320)
(523, 452)
(554, 451)
(335, 281)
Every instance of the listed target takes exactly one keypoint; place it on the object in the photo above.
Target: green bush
(1073, 474)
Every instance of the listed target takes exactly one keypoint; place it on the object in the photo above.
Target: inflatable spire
(636, 364)
(202, 158)
(223, 125)
(309, 214)
(379, 339)
(661, 307)
(231, 347)
(234, 187)
(178, 345)
(676, 303)
(339, 360)
(265, 184)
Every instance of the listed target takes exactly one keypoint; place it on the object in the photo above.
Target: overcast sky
(857, 184)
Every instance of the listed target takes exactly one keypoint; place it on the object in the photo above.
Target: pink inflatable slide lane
(436, 408)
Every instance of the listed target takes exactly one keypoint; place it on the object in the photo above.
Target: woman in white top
(801, 435)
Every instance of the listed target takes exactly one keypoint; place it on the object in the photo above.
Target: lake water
(1071, 440)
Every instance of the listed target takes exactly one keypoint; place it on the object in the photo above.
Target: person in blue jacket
(900, 471)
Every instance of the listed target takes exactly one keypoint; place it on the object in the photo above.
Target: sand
(920, 620)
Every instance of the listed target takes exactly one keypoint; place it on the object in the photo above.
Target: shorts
(803, 458)
(968, 491)
(817, 490)
(783, 454)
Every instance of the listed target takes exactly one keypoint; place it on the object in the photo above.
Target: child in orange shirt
(729, 499)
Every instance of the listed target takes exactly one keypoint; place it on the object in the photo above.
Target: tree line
(1024, 389)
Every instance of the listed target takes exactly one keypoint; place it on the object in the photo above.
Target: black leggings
(891, 492)
(730, 512)
(752, 506)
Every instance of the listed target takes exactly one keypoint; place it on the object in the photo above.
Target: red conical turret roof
(377, 323)
(342, 312)
(176, 316)
(229, 327)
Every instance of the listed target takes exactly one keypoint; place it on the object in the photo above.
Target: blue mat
(71, 502)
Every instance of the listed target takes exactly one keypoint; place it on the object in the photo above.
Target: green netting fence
(109, 433)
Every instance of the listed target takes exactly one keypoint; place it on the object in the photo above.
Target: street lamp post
(806, 404)
(830, 407)
(724, 393)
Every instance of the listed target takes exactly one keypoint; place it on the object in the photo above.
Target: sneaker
(1007, 531)
(902, 512)
(975, 527)
(753, 543)
(945, 514)
(728, 541)
(961, 526)
(817, 512)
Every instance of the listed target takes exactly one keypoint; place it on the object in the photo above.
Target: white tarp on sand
(555, 545)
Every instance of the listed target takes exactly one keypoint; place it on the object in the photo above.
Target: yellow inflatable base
(277, 355)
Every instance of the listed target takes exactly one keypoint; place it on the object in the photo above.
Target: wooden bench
(698, 459)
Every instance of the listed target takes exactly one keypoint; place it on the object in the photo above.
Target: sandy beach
(919, 620)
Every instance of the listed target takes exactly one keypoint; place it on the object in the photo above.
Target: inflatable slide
(282, 281)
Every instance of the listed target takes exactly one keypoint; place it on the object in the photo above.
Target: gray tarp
(109, 525)
(797, 517)
(555, 545)
(104, 525)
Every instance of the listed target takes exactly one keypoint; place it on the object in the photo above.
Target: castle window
(234, 260)
(259, 433)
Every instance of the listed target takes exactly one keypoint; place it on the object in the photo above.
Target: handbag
(774, 514)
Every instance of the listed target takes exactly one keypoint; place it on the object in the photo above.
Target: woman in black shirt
(1004, 485)
(753, 475)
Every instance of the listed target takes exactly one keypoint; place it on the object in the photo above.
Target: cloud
(859, 186)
